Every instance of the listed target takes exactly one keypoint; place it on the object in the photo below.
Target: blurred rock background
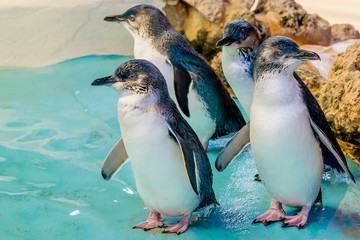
(335, 81)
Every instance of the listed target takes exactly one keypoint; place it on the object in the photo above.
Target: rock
(202, 21)
(197, 29)
(213, 10)
(313, 80)
(287, 18)
(327, 55)
(342, 32)
(340, 98)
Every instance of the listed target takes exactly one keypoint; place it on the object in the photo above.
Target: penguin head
(239, 34)
(142, 20)
(279, 54)
(135, 77)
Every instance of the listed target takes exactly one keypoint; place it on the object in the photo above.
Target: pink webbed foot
(274, 214)
(180, 226)
(154, 221)
(298, 220)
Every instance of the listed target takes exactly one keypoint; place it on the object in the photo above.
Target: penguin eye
(278, 53)
(132, 18)
(132, 76)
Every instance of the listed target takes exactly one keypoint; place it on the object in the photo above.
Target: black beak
(103, 81)
(225, 41)
(115, 18)
(306, 55)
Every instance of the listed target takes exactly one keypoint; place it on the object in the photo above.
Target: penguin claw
(270, 216)
(257, 178)
(178, 227)
(154, 221)
(298, 221)
(284, 225)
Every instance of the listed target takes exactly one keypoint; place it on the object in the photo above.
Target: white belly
(159, 170)
(286, 153)
(200, 120)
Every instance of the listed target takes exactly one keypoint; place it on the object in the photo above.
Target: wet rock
(342, 32)
(340, 97)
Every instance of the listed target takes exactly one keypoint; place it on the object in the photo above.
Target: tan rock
(287, 18)
(313, 80)
(197, 29)
(340, 96)
(213, 10)
(327, 55)
(342, 32)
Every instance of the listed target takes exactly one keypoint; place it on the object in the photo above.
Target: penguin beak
(225, 41)
(305, 55)
(103, 81)
(115, 18)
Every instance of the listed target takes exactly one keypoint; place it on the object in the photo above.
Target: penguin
(172, 171)
(195, 87)
(287, 126)
(239, 45)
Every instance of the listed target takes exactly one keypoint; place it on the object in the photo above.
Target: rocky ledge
(335, 81)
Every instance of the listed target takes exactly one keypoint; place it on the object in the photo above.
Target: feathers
(323, 131)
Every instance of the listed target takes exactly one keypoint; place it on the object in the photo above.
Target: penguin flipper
(318, 117)
(233, 148)
(325, 140)
(115, 159)
(182, 81)
(188, 157)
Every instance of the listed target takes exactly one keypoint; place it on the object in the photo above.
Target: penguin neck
(130, 103)
(237, 62)
(240, 55)
(276, 88)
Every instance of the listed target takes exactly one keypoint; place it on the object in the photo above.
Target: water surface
(55, 131)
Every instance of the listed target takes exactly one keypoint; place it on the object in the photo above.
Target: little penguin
(239, 45)
(195, 87)
(172, 171)
(287, 126)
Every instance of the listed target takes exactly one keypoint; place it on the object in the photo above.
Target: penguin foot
(205, 145)
(257, 178)
(274, 214)
(154, 221)
(298, 220)
(180, 226)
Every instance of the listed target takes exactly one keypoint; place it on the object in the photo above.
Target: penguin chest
(158, 167)
(145, 50)
(237, 74)
(286, 153)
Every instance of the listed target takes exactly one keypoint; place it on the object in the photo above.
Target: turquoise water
(55, 131)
